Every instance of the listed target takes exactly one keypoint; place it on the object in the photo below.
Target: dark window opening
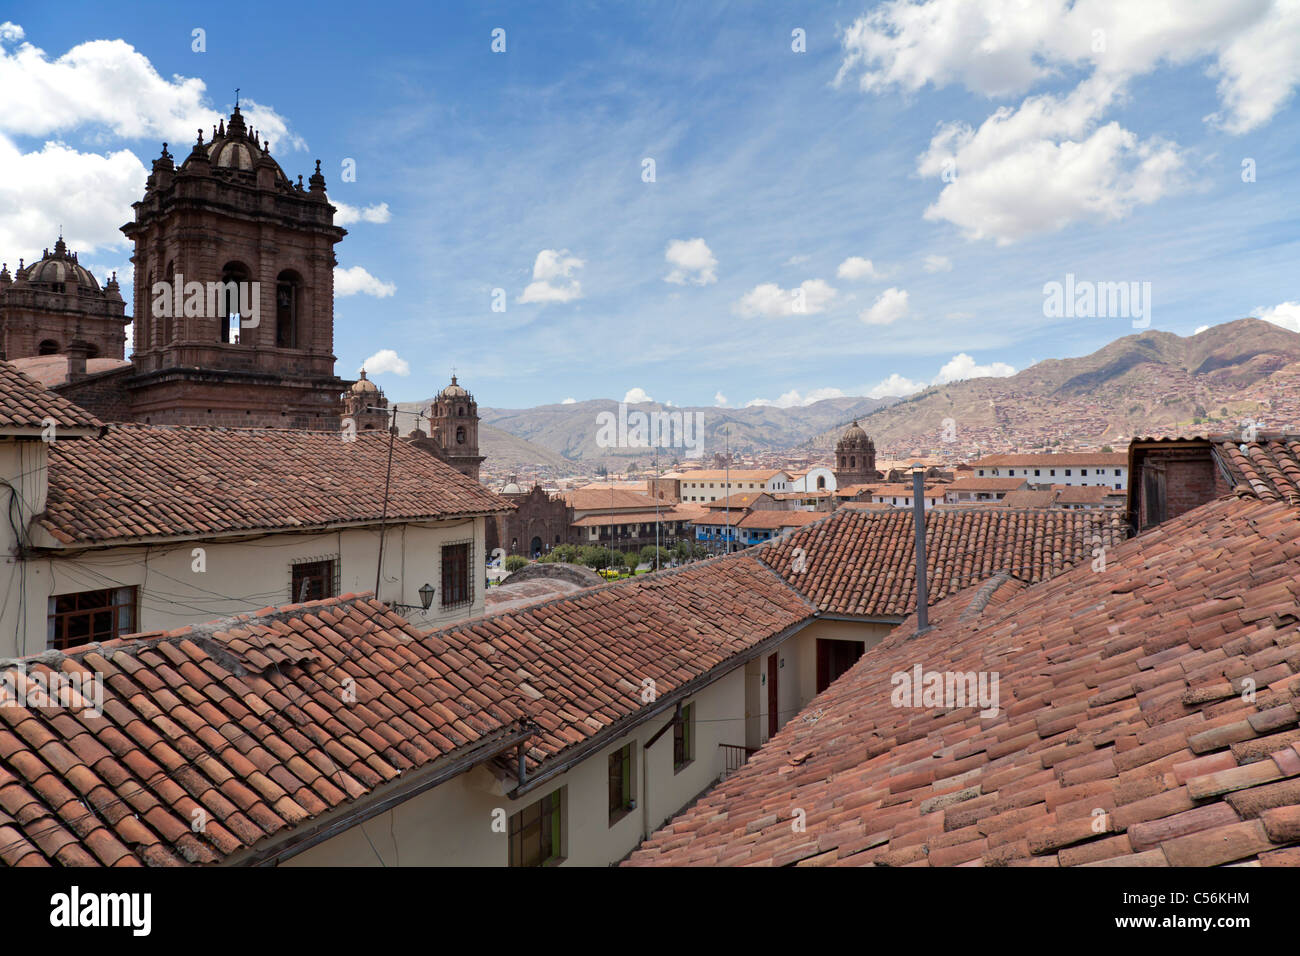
(834, 658)
(48, 347)
(536, 832)
(233, 277)
(313, 581)
(684, 738)
(620, 783)
(90, 616)
(288, 297)
(456, 588)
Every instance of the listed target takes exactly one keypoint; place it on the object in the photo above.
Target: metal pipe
(918, 522)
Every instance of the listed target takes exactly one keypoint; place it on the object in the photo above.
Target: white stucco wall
(239, 576)
(451, 824)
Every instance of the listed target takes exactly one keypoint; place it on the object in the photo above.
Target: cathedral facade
(233, 296)
(233, 310)
(55, 305)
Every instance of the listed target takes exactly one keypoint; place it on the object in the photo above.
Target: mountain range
(1152, 382)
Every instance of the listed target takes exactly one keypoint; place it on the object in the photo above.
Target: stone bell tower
(234, 290)
(453, 424)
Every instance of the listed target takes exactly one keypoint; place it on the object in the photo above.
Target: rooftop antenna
(236, 97)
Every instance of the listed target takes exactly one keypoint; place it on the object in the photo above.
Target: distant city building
(706, 485)
(1086, 468)
(855, 458)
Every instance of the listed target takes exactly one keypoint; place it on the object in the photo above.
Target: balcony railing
(735, 756)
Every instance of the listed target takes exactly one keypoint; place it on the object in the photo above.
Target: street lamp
(426, 593)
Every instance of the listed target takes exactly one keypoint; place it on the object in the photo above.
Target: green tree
(516, 561)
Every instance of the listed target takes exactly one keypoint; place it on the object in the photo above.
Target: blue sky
(775, 171)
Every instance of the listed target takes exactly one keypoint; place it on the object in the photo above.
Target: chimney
(918, 522)
(78, 352)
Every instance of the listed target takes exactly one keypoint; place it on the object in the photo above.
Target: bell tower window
(234, 287)
(288, 296)
(48, 347)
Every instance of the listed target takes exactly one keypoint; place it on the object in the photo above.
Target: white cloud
(961, 367)
(769, 300)
(720, 400)
(692, 262)
(345, 215)
(1001, 48)
(937, 264)
(1200, 329)
(89, 194)
(1054, 159)
(552, 265)
(958, 368)
(636, 396)
(792, 398)
(109, 84)
(1045, 165)
(797, 260)
(569, 401)
(894, 385)
(889, 307)
(386, 360)
(855, 267)
(357, 281)
(1285, 314)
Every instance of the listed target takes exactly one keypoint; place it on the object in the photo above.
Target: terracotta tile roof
(52, 370)
(727, 519)
(248, 724)
(25, 405)
(851, 491)
(768, 518)
(666, 513)
(163, 481)
(1269, 468)
(862, 563)
(739, 500)
(1029, 498)
(584, 656)
(985, 484)
(248, 721)
(604, 499)
(1086, 494)
(1147, 715)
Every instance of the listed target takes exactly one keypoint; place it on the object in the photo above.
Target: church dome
(853, 435)
(363, 385)
(236, 148)
(512, 489)
(453, 390)
(60, 266)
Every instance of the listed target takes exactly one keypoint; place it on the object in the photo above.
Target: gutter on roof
(398, 791)
(61, 431)
(622, 728)
(76, 547)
